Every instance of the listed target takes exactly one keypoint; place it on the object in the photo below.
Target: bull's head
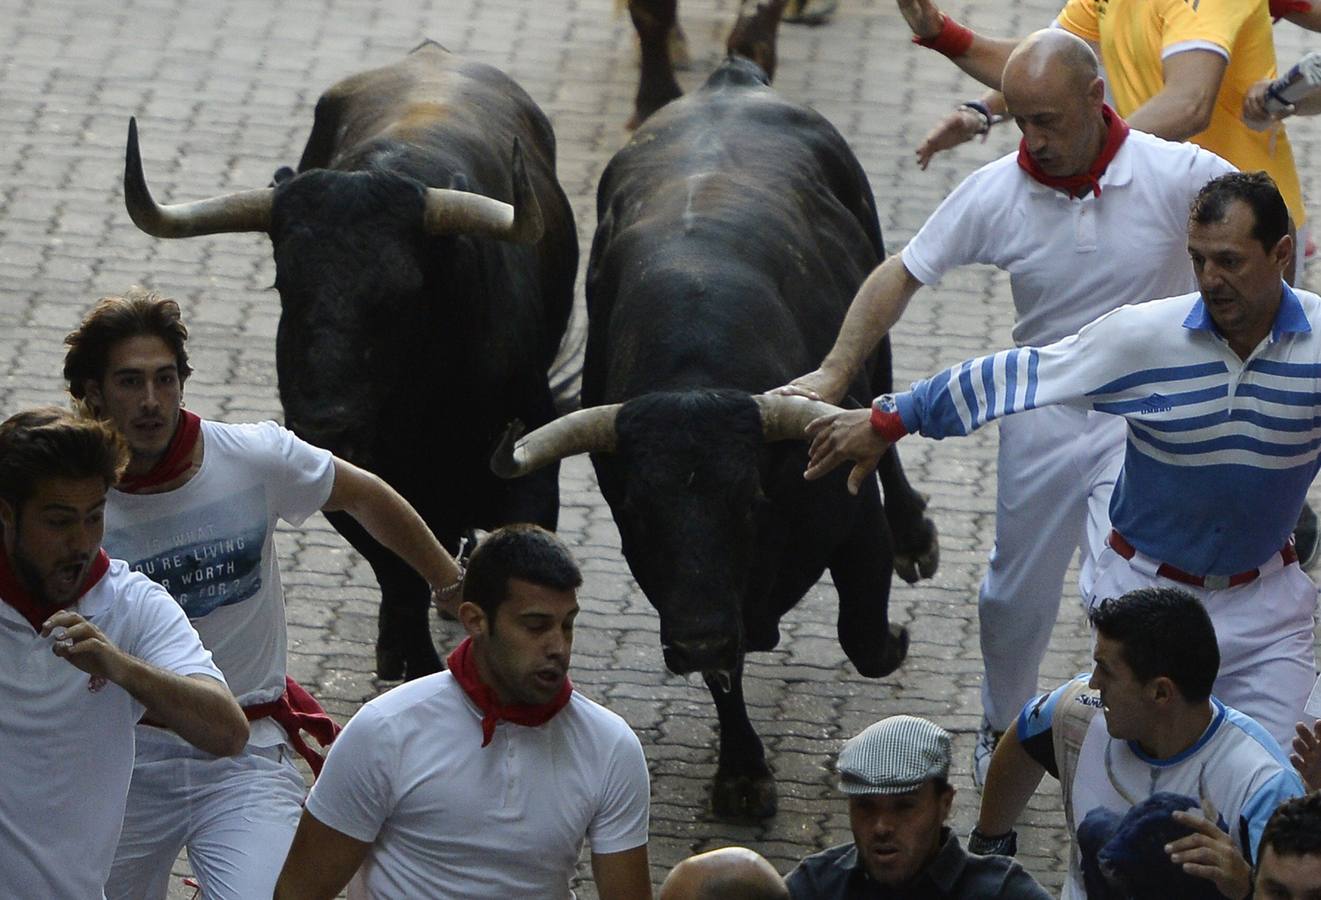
(358, 269)
(683, 477)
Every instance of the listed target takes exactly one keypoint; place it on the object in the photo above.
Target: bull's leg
(916, 547)
(861, 570)
(744, 787)
(753, 36)
(654, 20)
(403, 635)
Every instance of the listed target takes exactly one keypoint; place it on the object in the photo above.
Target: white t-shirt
(1071, 260)
(1235, 764)
(210, 543)
(449, 818)
(66, 739)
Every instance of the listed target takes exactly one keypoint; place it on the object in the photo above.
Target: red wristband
(952, 40)
(889, 425)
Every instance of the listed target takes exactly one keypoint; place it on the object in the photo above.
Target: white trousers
(1055, 473)
(1264, 629)
(236, 815)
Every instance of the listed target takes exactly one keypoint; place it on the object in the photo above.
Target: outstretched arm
(879, 303)
(198, 708)
(392, 522)
(984, 57)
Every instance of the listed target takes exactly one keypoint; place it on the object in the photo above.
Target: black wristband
(1001, 845)
(984, 111)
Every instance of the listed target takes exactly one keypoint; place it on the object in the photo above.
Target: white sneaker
(987, 738)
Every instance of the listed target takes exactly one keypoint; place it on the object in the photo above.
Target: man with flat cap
(730, 873)
(895, 774)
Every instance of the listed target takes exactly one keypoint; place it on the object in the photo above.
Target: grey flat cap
(894, 756)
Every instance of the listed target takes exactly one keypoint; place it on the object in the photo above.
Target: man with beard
(482, 781)
(196, 512)
(86, 647)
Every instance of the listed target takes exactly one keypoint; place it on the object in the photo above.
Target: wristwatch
(1001, 845)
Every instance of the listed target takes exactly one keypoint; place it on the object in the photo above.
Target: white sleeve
(622, 815)
(353, 794)
(165, 638)
(956, 234)
(300, 476)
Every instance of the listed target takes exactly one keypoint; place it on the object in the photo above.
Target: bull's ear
(458, 182)
(282, 174)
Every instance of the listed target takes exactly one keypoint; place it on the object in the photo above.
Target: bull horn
(461, 212)
(785, 418)
(590, 430)
(242, 211)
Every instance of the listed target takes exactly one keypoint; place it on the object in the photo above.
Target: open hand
(815, 385)
(922, 17)
(844, 437)
(1306, 756)
(958, 127)
(1210, 853)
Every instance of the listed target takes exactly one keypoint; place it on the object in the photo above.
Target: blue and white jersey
(1220, 450)
(1235, 765)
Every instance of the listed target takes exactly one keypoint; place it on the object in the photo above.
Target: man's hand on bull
(922, 16)
(844, 437)
(958, 127)
(819, 384)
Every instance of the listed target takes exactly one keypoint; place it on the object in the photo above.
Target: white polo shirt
(449, 818)
(66, 739)
(1071, 259)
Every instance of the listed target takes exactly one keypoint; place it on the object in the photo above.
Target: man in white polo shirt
(1218, 391)
(1086, 217)
(482, 781)
(86, 647)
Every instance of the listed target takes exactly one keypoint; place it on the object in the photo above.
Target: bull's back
(734, 219)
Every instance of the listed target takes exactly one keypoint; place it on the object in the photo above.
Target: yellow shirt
(1134, 36)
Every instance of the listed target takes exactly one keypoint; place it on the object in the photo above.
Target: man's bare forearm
(877, 306)
(1010, 782)
(392, 522)
(198, 708)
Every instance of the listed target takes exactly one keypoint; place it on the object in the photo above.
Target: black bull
(425, 257)
(733, 231)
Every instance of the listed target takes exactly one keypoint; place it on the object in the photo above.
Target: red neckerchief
(178, 456)
(1073, 185)
(16, 595)
(1282, 8)
(296, 710)
(464, 669)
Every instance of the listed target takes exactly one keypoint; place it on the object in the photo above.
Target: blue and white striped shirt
(1220, 450)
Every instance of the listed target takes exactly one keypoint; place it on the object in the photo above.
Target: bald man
(1085, 217)
(730, 873)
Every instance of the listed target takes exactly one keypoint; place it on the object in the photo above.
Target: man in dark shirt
(895, 775)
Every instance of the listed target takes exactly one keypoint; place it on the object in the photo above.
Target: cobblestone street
(224, 92)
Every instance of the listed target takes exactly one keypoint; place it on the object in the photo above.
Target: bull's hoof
(890, 657)
(743, 797)
(918, 559)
